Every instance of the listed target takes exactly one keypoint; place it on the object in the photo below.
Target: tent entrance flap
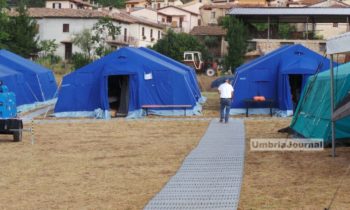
(118, 95)
(295, 82)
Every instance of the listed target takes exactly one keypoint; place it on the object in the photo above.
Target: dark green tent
(312, 118)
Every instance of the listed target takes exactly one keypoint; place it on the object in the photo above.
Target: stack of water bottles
(7, 103)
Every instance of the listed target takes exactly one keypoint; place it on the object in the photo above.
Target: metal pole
(332, 107)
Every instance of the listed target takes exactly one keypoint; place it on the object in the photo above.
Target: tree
(102, 31)
(85, 42)
(29, 3)
(175, 44)
(113, 3)
(4, 22)
(23, 33)
(48, 47)
(237, 38)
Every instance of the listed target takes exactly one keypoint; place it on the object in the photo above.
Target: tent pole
(332, 106)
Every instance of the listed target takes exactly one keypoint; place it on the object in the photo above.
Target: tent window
(118, 95)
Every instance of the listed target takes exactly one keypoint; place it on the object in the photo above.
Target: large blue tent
(276, 76)
(16, 83)
(191, 71)
(139, 77)
(39, 80)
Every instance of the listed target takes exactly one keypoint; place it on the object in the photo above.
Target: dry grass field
(292, 180)
(102, 165)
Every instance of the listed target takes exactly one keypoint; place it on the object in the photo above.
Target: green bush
(79, 60)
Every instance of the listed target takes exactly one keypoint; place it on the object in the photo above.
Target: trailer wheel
(17, 136)
(210, 72)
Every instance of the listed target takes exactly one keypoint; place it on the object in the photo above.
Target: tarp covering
(30, 82)
(269, 76)
(313, 114)
(152, 81)
(338, 44)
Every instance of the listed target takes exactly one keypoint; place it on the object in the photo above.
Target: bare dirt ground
(292, 180)
(103, 165)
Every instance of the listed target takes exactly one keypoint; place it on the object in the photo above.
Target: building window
(200, 1)
(59, 5)
(168, 19)
(322, 47)
(335, 25)
(65, 27)
(158, 34)
(151, 33)
(125, 35)
(213, 15)
(158, 5)
(251, 46)
(199, 22)
(143, 33)
(71, 6)
(53, 5)
(163, 20)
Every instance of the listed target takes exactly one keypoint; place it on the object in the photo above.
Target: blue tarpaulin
(269, 76)
(30, 82)
(152, 81)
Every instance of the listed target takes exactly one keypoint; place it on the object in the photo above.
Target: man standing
(226, 94)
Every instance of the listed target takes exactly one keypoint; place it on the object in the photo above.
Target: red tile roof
(325, 3)
(88, 14)
(230, 5)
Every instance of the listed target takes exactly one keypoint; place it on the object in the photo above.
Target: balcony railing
(123, 40)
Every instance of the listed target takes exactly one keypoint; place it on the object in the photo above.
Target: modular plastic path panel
(211, 175)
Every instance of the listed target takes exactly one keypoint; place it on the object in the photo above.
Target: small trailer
(9, 123)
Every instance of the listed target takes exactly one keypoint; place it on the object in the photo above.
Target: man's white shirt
(225, 90)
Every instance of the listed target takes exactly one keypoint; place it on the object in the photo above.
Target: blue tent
(16, 83)
(130, 77)
(276, 76)
(39, 80)
(191, 71)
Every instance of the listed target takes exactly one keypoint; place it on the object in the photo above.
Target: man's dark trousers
(225, 106)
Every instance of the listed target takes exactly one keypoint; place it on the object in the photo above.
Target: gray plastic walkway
(211, 175)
